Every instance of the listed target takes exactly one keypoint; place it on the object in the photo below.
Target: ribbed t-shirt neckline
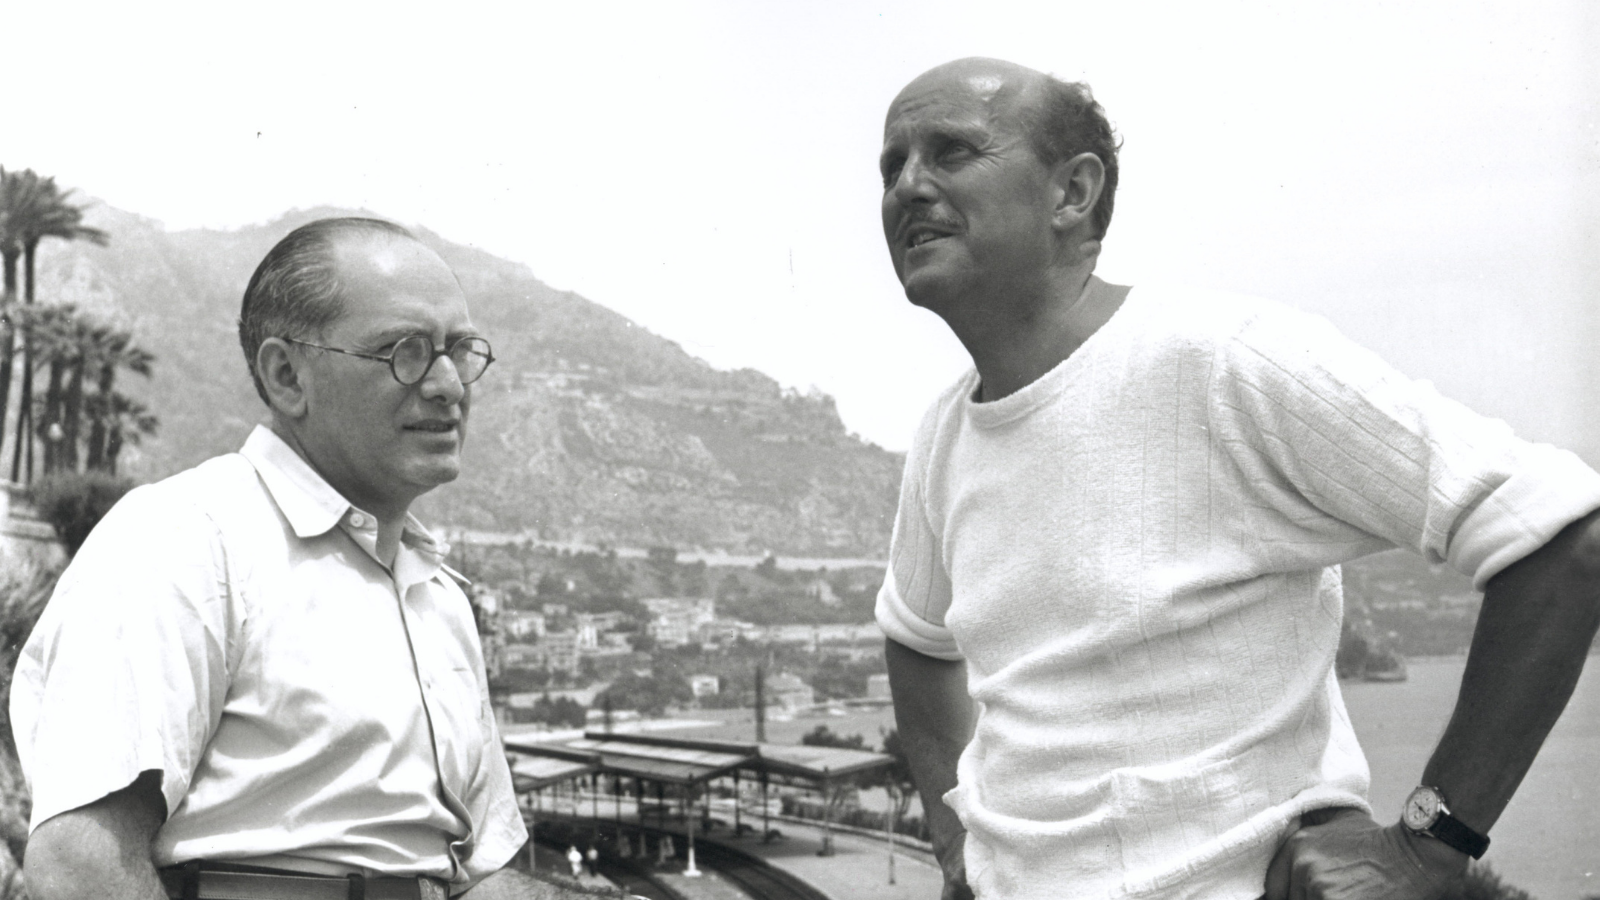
(994, 413)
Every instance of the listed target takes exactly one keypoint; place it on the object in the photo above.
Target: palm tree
(16, 200)
(114, 422)
(57, 335)
(42, 211)
(107, 351)
(76, 348)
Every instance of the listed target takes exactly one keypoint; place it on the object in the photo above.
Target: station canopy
(534, 773)
(688, 761)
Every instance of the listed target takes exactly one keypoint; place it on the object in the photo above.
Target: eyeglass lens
(414, 356)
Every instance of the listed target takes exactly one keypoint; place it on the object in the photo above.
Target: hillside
(588, 428)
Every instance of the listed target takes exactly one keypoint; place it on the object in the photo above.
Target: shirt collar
(313, 507)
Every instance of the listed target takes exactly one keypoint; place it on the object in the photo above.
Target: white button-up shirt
(232, 628)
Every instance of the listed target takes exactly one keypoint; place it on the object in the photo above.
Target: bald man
(257, 678)
(1113, 599)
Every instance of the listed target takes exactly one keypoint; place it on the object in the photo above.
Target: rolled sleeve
(1315, 419)
(1551, 489)
(904, 626)
(137, 681)
(916, 590)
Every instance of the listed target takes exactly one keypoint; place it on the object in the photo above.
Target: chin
(928, 293)
(433, 473)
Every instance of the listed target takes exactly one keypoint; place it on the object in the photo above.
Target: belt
(190, 882)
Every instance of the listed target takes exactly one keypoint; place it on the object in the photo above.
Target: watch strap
(1451, 831)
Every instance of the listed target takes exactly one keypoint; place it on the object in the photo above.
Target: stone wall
(24, 537)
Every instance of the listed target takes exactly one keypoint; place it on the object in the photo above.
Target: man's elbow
(98, 850)
(1585, 550)
(1569, 560)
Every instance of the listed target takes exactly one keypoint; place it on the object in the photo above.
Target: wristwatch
(1426, 813)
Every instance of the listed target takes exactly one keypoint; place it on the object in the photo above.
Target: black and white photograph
(832, 450)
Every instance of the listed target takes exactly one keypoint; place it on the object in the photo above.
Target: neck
(1016, 343)
(391, 516)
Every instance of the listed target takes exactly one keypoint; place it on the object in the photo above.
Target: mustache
(931, 219)
(928, 218)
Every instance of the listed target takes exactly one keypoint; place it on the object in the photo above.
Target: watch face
(1422, 809)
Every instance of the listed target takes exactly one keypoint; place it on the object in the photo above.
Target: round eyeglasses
(414, 355)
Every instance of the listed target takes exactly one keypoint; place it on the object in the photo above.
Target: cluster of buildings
(555, 638)
(560, 640)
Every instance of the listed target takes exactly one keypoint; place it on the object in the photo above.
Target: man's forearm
(1538, 620)
(935, 719)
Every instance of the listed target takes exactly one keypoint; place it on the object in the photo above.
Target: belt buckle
(431, 888)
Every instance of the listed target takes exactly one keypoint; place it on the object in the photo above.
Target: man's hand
(1342, 854)
(953, 862)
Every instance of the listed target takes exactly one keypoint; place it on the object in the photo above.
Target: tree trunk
(24, 432)
(113, 447)
(25, 401)
(52, 416)
(8, 336)
(72, 416)
(98, 420)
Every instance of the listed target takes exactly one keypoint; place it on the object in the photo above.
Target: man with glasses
(257, 678)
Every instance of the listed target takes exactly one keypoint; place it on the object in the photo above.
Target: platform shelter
(689, 765)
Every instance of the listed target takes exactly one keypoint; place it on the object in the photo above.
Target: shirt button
(357, 520)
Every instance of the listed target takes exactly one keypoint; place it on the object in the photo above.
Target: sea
(1546, 843)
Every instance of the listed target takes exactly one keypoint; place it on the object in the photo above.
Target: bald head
(999, 84)
(1060, 119)
(295, 291)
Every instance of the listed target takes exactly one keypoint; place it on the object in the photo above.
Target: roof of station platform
(690, 761)
(535, 772)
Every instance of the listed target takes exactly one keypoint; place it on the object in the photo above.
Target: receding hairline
(996, 81)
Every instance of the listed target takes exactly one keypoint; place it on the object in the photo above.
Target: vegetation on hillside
(588, 428)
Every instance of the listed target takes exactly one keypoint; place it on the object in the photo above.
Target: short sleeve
(126, 670)
(916, 588)
(497, 821)
(491, 799)
(1311, 417)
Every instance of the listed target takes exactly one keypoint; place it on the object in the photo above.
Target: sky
(1427, 175)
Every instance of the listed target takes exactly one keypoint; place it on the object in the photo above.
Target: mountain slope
(588, 427)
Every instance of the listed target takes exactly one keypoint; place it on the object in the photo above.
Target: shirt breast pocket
(464, 706)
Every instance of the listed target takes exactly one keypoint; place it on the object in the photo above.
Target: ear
(1078, 182)
(283, 375)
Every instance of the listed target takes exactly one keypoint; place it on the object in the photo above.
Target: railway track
(756, 877)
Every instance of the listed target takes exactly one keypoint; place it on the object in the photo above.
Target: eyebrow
(391, 335)
(974, 133)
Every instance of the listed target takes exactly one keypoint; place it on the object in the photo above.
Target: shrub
(74, 502)
(23, 592)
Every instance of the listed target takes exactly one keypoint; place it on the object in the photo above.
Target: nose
(913, 184)
(442, 382)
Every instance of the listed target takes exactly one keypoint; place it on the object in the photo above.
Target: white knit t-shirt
(1137, 557)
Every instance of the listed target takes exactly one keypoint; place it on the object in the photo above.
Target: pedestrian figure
(575, 857)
